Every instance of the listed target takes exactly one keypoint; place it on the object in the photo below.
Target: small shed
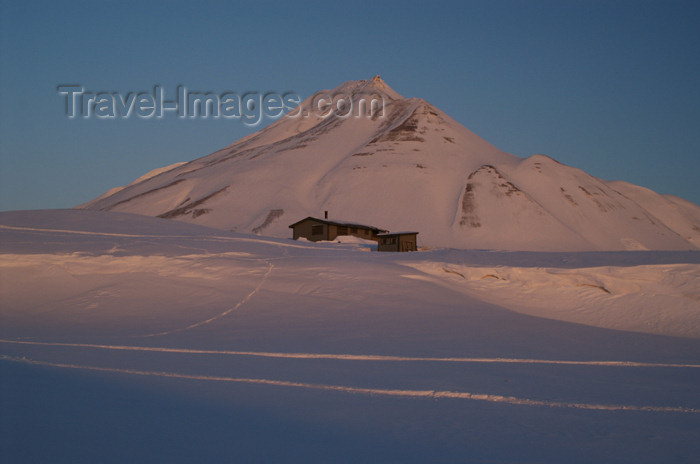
(315, 229)
(398, 241)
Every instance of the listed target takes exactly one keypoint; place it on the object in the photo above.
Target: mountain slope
(409, 166)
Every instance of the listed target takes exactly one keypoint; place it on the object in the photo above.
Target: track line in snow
(211, 238)
(351, 357)
(431, 394)
(270, 266)
(106, 234)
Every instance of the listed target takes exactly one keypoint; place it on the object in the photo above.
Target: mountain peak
(377, 83)
(374, 85)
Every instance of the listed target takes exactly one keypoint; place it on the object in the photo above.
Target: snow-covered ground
(133, 339)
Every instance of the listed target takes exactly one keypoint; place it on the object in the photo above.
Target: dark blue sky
(610, 87)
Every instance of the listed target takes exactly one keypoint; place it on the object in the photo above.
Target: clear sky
(611, 87)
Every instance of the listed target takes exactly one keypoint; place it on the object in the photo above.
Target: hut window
(342, 230)
(316, 230)
(353, 230)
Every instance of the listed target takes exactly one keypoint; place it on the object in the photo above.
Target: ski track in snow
(351, 357)
(107, 234)
(211, 238)
(431, 394)
(270, 266)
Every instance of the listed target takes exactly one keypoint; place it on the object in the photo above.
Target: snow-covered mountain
(408, 167)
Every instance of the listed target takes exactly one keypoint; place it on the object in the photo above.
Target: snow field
(392, 357)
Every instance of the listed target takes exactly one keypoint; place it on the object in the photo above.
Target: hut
(398, 241)
(315, 229)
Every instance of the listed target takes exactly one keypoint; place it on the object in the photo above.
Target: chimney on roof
(325, 214)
